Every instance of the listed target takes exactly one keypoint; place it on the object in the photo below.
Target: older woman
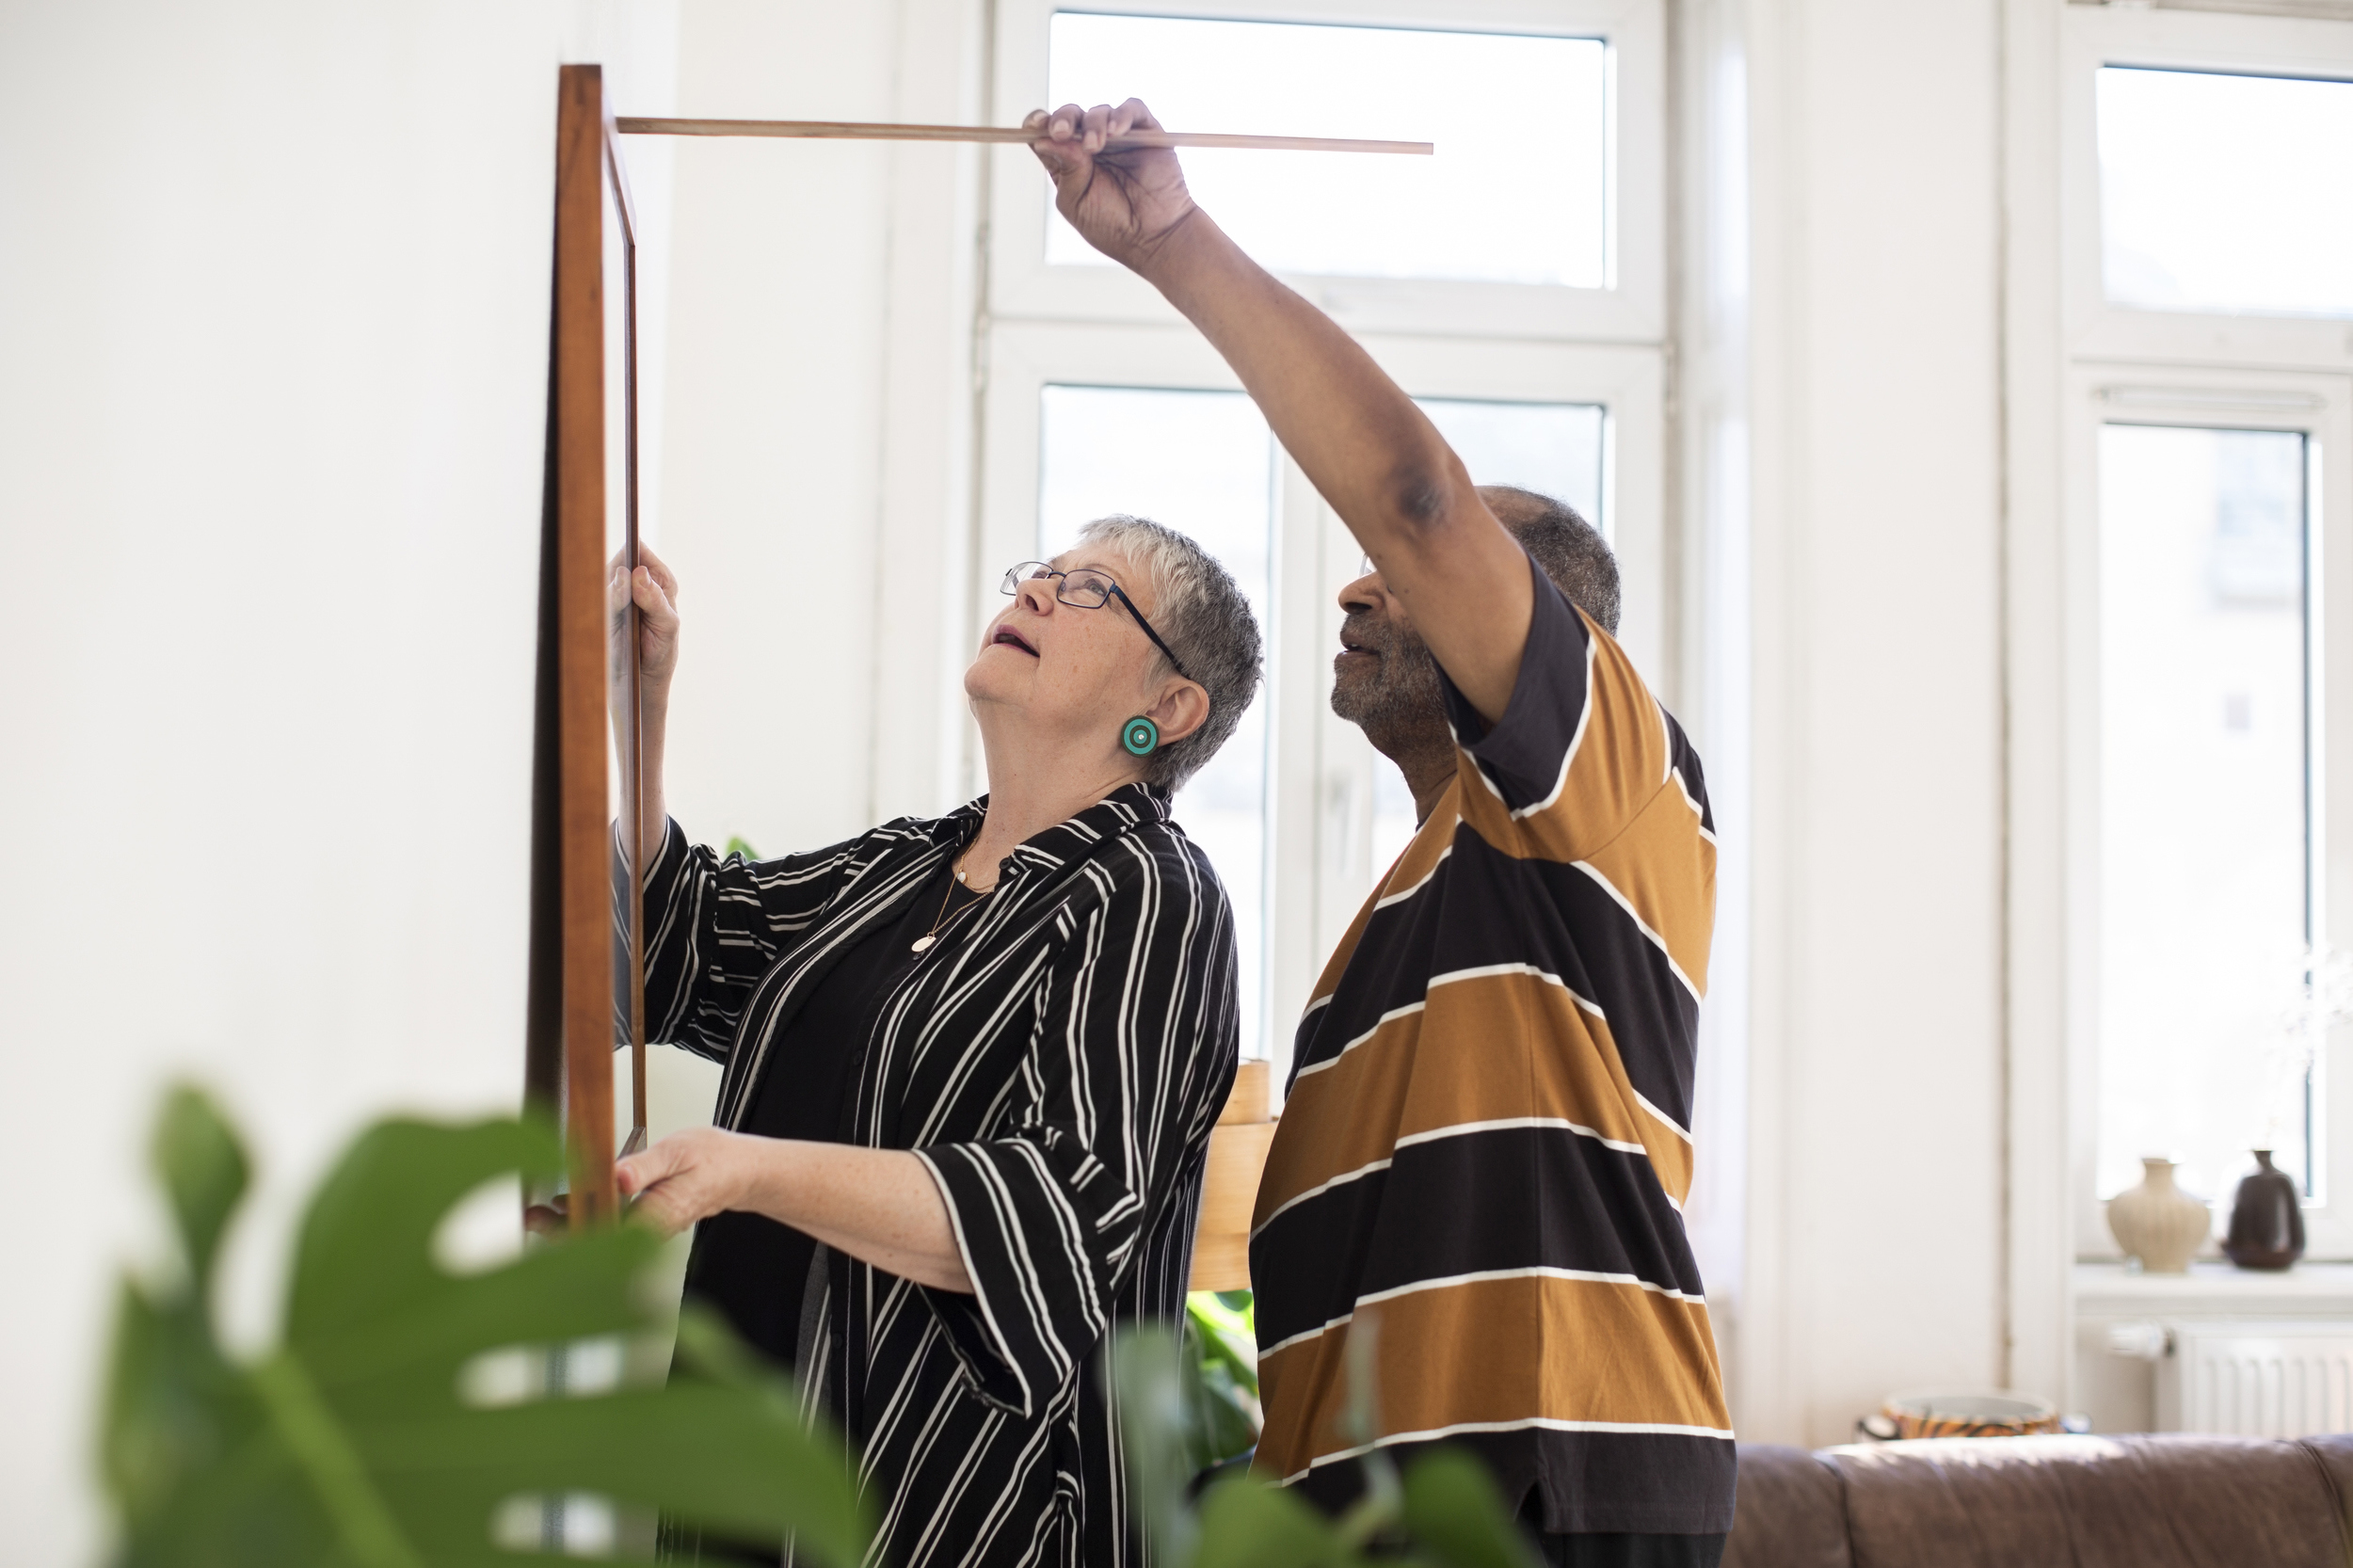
(971, 1062)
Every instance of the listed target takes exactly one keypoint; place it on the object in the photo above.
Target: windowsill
(2214, 1289)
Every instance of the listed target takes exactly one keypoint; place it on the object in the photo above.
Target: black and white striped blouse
(1057, 1062)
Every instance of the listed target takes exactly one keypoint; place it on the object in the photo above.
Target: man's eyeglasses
(1086, 589)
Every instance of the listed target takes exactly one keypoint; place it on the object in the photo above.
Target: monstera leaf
(354, 1442)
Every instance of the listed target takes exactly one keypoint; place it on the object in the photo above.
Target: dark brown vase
(2266, 1219)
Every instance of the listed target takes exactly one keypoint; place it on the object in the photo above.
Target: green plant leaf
(1229, 1337)
(352, 1442)
(1247, 1524)
(1452, 1508)
(1221, 1382)
(1148, 1379)
(204, 1172)
(174, 1409)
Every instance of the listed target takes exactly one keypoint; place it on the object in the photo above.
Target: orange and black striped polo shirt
(1488, 1142)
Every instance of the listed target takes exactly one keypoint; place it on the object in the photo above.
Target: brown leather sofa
(2158, 1501)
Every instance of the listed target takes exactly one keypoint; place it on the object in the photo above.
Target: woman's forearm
(877, 1204)
(654, 807)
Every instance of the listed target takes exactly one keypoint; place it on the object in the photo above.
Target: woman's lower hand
(688, 1177)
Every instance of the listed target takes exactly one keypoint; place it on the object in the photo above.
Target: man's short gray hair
(1571, 551)
(1199, 610)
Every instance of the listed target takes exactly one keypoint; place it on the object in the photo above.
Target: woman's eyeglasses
(1086, 589)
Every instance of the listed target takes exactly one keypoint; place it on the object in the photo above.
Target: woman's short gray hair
(1199, 608)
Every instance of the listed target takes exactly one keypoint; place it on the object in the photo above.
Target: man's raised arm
(1375, 457)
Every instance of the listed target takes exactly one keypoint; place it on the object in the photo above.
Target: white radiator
(2256, 1379)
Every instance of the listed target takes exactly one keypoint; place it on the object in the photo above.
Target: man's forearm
(1369, 451)
(1366, 448)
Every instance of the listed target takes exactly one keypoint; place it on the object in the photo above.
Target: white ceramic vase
(2158, 1222)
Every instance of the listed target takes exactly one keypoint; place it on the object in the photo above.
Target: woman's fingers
(646, 1167)
(661, 568)
(654, 601)
(663, 1184)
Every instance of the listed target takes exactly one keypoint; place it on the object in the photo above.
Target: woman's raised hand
(1125, 202)
(655, 591)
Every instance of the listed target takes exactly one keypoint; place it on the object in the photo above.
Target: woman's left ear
(1182, 708)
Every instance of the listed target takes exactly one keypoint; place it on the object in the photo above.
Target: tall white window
(2206, 835)
(1203, 463)
(2209, 201)
(1512, 283)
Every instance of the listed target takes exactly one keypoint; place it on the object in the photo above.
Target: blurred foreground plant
(1444, 1513)
(355, 1443)
(1221, 1338)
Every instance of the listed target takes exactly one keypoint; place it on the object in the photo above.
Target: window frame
(1632, 309)
(1319, 792)
(2319, 407)
(1044, 325)
(2180, 40)
(2210, 371)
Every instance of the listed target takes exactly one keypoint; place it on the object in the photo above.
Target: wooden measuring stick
(849, 130)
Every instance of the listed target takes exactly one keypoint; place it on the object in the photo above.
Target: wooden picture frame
(586, 989)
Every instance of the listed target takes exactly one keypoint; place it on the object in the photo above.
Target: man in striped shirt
(1487, 1141)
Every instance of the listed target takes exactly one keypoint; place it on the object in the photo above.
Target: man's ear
(1183, 707)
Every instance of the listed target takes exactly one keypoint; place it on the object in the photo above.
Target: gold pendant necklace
(946, 920)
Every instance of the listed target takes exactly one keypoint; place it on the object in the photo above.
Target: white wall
(1876, 1227)
(815, 482)
(271, 419)
(271, 408)
(813, 487)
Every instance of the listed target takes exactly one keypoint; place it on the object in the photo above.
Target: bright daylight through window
(1524, 123)
(1204, 464)
(2207, 843)
(2226, 193)
(1521, 123)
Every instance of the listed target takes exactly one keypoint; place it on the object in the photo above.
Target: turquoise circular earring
(1141, 736)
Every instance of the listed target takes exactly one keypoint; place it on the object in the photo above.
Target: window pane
(1552, 448)
(2227, 193)
(1204, 464)
(1517, 192)
(1394, 819)
(2204, 841)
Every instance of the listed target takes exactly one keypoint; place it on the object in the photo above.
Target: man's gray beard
(1403, 709)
